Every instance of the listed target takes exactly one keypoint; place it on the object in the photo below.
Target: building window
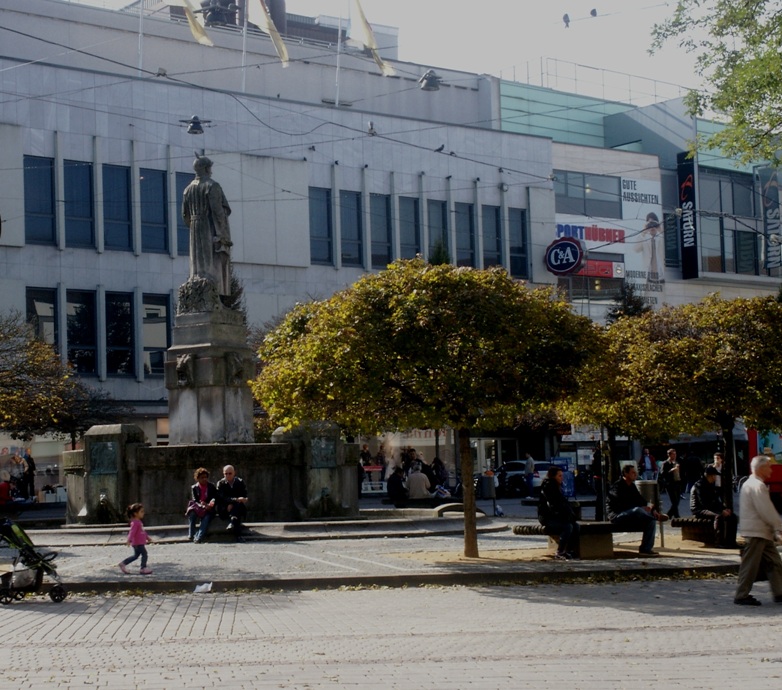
(154, 211)
(380, 224)
(437, 217)
(42, 314)
(409, 227)
(492, 236)
(156, 333)
(590, 288)
(583, 194)
(321, 234)
(182, 230)
(120, 358)
(79, 214)
(465, 234)
(350, 227)
(82, 334)
(39, 217)
(117, 223)
(728, 229)
(517, 248)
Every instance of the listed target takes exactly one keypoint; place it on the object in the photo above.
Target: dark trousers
(726, 528)
(674, 494)
(568, 533)
(139, 550)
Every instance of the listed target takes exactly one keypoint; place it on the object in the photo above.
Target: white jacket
(758, 516)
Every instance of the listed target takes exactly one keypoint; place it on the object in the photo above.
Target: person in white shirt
(761, 526)
(418, 483)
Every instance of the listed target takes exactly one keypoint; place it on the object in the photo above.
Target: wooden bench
(696, 529)
(596, 539)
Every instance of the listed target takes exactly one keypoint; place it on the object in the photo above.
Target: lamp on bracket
(430, 81)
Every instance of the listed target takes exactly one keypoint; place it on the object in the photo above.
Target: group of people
(421, 480)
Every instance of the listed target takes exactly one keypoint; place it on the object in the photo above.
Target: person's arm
(765, 509)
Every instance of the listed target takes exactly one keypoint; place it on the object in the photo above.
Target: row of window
(116, 206)
(116, 323)
(408, 211)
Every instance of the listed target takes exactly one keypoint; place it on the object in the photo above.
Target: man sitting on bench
(705, 502)
(629, 512)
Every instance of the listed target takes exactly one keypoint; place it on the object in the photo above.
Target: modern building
(331, 170)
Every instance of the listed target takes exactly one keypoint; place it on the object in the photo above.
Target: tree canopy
(739, 55)
(688, 369)
(422, 346)
(38, 394)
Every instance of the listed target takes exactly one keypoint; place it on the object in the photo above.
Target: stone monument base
(207, 369)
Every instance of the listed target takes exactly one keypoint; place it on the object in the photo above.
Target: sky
(508, 37)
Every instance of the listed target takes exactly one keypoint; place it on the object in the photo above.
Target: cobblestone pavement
(660, 634)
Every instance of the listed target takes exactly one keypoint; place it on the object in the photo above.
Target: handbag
(196, 507)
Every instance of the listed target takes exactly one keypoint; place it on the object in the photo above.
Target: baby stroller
(29, 567)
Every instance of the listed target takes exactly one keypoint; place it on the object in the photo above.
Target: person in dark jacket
(705, 502)
(232, 500)
(203, 499)
(556, 514)
(669, 480)
(397, 493)
(628, 510)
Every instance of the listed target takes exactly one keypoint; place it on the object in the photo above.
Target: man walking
(761, 526)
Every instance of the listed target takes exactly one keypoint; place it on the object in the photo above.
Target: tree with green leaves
(688, 369)
(422, 346)
(32, 379)
(739, 56)
(627, 303)
(39, 395)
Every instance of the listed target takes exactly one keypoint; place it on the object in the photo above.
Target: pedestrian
(647, 467)
(529, 472)
(761, 527)
(670, 480)
(138, 539)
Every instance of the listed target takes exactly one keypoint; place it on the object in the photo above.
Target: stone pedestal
(207, 371)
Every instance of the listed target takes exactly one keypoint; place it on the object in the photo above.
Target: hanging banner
(769, 194)
(688, 205)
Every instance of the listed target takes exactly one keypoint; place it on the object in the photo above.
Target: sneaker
(123, 568)
(572, 557)
(560, 556)
(663, 517)
(145, 571)
(748, 600)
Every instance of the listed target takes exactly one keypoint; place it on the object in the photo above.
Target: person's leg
(773, 564)
(132, 558)
(572, 541)
(649, 524)
(748, 570)
(192, 519)
(204, 528)
(674, 494)
(142, 551)
(561, 530)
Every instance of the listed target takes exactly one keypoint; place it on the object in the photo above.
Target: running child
(138, 539)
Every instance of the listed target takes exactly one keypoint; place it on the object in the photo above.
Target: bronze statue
(205, 210)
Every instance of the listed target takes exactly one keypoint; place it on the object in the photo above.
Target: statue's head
(202, 164)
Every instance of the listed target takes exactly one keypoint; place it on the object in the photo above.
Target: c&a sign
(564, 256)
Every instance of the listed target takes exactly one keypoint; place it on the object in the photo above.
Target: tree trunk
(468, 494)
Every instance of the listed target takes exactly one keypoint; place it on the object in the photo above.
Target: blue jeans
(199, 535)
(638, 519)
(139, 550)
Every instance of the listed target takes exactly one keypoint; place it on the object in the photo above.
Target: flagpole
(244, 48)
(339, 53)
(140, 37)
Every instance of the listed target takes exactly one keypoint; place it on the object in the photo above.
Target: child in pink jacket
(138, 539)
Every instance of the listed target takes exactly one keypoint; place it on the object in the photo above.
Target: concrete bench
(433, 502)
(595, 538)
(696, 529)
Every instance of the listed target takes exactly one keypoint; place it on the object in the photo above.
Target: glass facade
(154, 211)
(321, 233)
(584, 194)
(492, 236)
(117, 219)
(79, 214)
(351, 228)
(380, 224)
(464, 219)
(409, 227)
(120, 360)
(82, 331)
(155, 333)
(437, 219)
(39, 217)
(42, 314)
(518, 242)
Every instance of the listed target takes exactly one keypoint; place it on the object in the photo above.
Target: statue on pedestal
(205, 210)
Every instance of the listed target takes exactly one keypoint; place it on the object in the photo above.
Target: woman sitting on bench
(557, 515)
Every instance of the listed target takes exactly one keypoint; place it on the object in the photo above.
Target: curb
(493, 578)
